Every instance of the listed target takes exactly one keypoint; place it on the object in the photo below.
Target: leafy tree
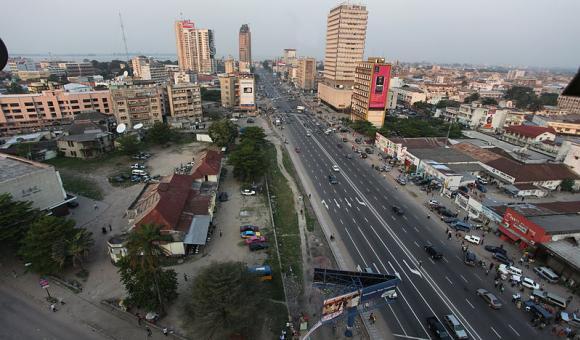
(147, 284)
(248, 160)
(223, 132)
(488, 101)
(159, 133)
(417, 127)
(567, 185)
(211, 95)
(422, 105)
(15, 88)
(255, 134)
(129, 144)
(447, 103)
(266, 65)
(471, 98)
(15, 219)
(364, 127)
(549, 99)
(45, 243)
(525, 98)
(224, 300)
(78, 246)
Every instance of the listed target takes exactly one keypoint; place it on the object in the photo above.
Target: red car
(254, 239)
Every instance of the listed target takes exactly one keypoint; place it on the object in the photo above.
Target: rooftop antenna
(124, 37)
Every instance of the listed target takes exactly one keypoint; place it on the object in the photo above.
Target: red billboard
(379, 86)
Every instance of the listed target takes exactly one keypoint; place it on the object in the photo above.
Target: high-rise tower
(195, 47)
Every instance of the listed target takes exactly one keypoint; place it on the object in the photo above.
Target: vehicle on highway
(472, 239)
(502, 258)
(247, 227)
(398, 210)
(469, 258)
(529, 283)
(455, 326)
(432, 252)
(508, 269)
(335, 168)
(137, 166)
(297, 149)
(332, 179)
(308, 134)
(437, 328)
(495, 249)
(249, 233)
(547, 273)
(258, 246)
(348, 156)
(401, 180)
(461, 226)
(488, 297)
(248, 192)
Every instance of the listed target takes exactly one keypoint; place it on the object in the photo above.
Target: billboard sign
(247, 96)
(381, 77)
(488, 124)
(335, 306)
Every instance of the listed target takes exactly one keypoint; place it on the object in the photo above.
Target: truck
(300, 108)
(263, 272)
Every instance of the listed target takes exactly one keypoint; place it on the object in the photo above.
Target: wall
(337, 98)
(43, 188)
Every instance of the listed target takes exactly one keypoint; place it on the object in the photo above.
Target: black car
(223, 197)
(502, 258)
(332, 179)
(450, 220)
(358, 140)
(258, 246)
(437, 328)
(494, 249)
(398, 210)
(344, 139)
(446, 212)
(338, 145)
(433, 253)
(369, 151)
(363, 155)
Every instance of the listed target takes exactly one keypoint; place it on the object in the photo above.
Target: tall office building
(245, 44)
(195, 47)
(230, 65)
(370, 92)
(306, 73)
(345, 43)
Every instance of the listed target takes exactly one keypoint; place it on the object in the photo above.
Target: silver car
(455, 326)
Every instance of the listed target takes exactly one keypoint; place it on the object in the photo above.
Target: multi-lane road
(360, 207)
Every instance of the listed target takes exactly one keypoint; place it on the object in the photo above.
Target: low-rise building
(87, 137)
(410, 95)
(528, 134)
(562, 124)
(139, 104)
(184, 104)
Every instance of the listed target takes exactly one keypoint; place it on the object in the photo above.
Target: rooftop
(420, 142)
(573, 88)
(85, 137)
(481, 154)
(529, 131)
(441, 155)
(12, 167)
(558, 224)
(532, 172)
(567, 250)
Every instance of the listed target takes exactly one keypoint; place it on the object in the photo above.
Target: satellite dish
(138, 126)
(121, 128)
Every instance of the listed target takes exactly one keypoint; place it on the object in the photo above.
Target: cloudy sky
(509, 32)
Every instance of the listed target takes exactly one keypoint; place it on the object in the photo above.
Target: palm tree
(144, 249)
(79, 246)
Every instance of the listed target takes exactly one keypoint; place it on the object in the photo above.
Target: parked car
(401, 180)
(502, 258)
(433, 253)
(481, 187)
(547, 273)
(363, 155)
(529, 283)
(338, 145)
(248, 192)
(495, 249)
(461, 226)
(247, 227)
(481, 180)
(450, 220)
(255, 239)
(344, 139)
(335, 168)
(223, 197)
(332, 179)
(398, 210)
(358, 140)
(258, 246)
(249, 233)
(137, 166)
(469, 258)
(488, 297)
(369, 151)
(437, 328)
(455, 326)
(472, 239)
(443, 211)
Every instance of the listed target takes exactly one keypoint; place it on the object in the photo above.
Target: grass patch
(310, 221)
(285, 218)
(81, 186)
(289, 165)
(89, 165)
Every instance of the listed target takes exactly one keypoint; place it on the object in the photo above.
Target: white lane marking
(353, 220)
(355, 247)
(340, 219)
(324, 203)
(414, 271)
(324, 191)
(360, 202)
(417, 244)
(463, 278)
(445, 259)
(405, 218)
(347, 202)
(334, 209)
(393, 217)
(394, 271)
(366, 220)
(417, 230)
(510, 326)
(407, 336)
(375, 196)
(446, 278)
(469, 303)
(346, 192)
(385, 208)
(338, 205)
(396, 318)
(457, 257)
(479, 277)
(357, 208)
(430, 259)
(404, 230)
(496, 333)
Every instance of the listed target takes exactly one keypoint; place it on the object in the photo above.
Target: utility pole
(124, 37)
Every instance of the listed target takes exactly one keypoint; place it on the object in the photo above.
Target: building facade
(137, 63)
(569, 100)
(345, 42)
(230, 65)
(238, 91)
(184, 104)
(245, 45)
(195, 47)
(139, 104)
(22, 113)
(228, 88)
(78, 69)
(306, 73)
(370, 93)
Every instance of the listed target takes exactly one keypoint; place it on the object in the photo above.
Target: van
(547, 274)
(504, 269)
(138, 172)
(550, 298)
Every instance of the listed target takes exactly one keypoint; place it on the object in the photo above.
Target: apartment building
(569, 100)
(245, 45)
(184, 104)
(149, 69)
(370, 93)
(565, 125)
(195, 47)
(306, 73)
(73, 69)
(137, 63)
(24, 113)
(229, 88)
(134, 104)
(345, 42)
(410, 95)
(238, 91)
(230, 65)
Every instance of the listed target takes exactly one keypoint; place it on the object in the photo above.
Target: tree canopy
(416, 127)
(471, 98)
(249, 157)
(15, 219)
(488, 101)
(159, 133)
(224, 300)
(447, 103)
(129, 144)
(526, 99)
(15, 88)
(364, 127)
(211, 95)
(223, 132)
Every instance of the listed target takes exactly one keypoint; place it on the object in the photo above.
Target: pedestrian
(96, 206)
(220, 233)
(420, 264)
(496, 283)
(110, 228)
(138, 318)
(149, 333)
(53, 307)
(185, 277)
(104, 230)
(165, 331)
(309, 195)
(491, 266)
(372, 318)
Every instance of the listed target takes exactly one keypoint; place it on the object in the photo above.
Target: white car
(529, 283)
(472, 239)
(138, 166)
(248, 192)
(335, 168)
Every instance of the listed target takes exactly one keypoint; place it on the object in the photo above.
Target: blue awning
(198, 228)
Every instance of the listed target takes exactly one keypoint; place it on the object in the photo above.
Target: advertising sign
(247, 92)
(488, 124)
(379, 86)
(337, 305)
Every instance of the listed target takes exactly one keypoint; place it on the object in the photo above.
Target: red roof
(209, 164)
(529, 131)
(524, 173)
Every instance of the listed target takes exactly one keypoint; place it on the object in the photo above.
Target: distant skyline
(493, 32)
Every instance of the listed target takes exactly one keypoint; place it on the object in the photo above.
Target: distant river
(93, 56)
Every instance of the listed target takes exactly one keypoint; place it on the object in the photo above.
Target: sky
(542, 33)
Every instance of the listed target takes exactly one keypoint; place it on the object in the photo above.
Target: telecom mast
(124, 37)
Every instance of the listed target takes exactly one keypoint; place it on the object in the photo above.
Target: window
(71, 144)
